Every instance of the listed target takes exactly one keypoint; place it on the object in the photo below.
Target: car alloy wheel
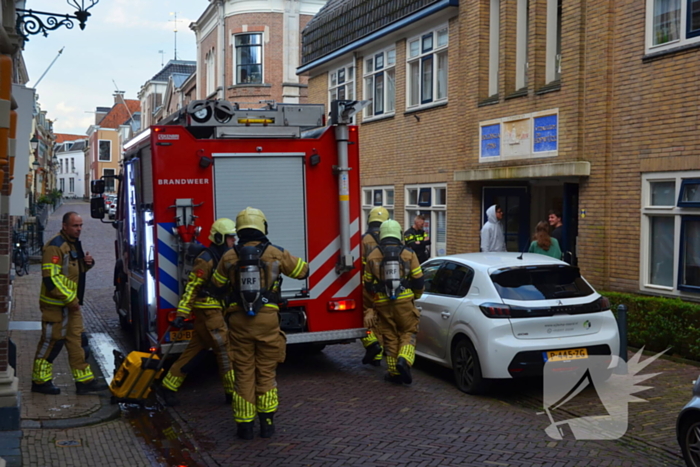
(690, 441)
(467, 369)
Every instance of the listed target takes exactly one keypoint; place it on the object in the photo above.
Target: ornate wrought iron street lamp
(29, 23)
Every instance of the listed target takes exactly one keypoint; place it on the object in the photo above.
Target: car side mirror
(97, 207)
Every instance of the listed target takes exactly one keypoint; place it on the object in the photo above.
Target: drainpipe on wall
(222, 51)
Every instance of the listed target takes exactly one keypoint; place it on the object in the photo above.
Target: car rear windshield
(540, 283)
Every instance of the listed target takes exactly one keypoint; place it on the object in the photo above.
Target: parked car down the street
(112, 210)
(688, 428)
(503, 315)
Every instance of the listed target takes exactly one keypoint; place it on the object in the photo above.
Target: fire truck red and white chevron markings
(331, 253)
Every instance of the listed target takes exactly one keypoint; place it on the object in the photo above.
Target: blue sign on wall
(546, 133)
(491, 140)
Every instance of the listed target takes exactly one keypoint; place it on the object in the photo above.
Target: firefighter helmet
(390, 228)
(220, 228)
(251, 218)
(378, 214)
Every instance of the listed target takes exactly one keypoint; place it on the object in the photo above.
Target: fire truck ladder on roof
(229, 120)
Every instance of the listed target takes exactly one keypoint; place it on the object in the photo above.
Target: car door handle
(445, 314)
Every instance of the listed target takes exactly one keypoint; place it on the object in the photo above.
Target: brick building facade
(249, 51)
(584, 107)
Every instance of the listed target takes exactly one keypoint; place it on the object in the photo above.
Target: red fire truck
(212, 160)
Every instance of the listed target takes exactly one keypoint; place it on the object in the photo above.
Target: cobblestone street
(335, 411)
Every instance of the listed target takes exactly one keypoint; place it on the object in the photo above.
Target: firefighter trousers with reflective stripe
(257, 345)
(397, 322)
(61, 327)
(210, 332)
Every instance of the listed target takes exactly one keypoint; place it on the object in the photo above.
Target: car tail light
(604, 303)
(341, 305)
(495, 310)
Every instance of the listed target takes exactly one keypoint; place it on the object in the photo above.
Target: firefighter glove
(178, 322)
(370, 319)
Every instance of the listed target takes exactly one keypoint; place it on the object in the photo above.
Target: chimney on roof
(118, 97)
(100, 113)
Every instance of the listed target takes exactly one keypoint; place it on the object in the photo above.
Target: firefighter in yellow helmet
(63, 269)
(370, 240)
(203, 303)
(252, 269)
(394, 276)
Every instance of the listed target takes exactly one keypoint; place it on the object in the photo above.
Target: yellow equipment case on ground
(134, 376)
(135, 373)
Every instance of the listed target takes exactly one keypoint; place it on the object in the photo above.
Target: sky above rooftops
(120, 43)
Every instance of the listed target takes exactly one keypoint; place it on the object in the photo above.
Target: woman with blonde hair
(543, 243)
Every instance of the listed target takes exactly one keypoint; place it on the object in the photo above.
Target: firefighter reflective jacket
(63, 271)
(276, 260)
(412, 274)
(197, 294)
(411, 236)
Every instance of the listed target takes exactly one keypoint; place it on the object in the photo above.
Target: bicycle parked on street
(20, 256)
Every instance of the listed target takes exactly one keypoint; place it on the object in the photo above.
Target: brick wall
(617, 111)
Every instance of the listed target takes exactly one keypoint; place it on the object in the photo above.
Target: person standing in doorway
(556, 226)
(417, 239)
(492, 237)
(543, 243)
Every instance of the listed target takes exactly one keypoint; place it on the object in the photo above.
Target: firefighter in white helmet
(370, 241)
(252, 270)
(394, 276)
(204, 303)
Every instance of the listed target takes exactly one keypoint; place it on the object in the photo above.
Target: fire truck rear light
(258, 121)
(341, 305)
(172, 314)
(159, 129)
(153, 349)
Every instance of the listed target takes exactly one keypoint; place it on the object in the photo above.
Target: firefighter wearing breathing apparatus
(252, 270)
(205, 304)
(370, 241)
(63, 269)
(394, 276)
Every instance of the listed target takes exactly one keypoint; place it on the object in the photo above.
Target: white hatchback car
(503, 315)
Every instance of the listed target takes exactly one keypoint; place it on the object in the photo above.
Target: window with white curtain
(431, 202)
(427, 67)
(671, 23)
(522, 44)
(494, 44)
(670, 241)
(373, 196)
(380, 82)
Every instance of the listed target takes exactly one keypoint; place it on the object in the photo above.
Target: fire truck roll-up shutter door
(273, 183)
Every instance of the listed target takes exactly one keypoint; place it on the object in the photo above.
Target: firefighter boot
(245, 430)
(46, 388)
(229, 398)
(267, 426)
(89, 387)
(393, 379)
(371, 351)
(169, 397)
(404, 370)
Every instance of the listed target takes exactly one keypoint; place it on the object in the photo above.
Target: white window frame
(553, 35)
(678, 213)
(410, 210)
(345, 72)
(522, 45)
(99, 142)
(370, 76)
(494, 49)
(71, 185)
(369, 201)
(235, 57)
(435, 54)
(683, 38)
(62, 184)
